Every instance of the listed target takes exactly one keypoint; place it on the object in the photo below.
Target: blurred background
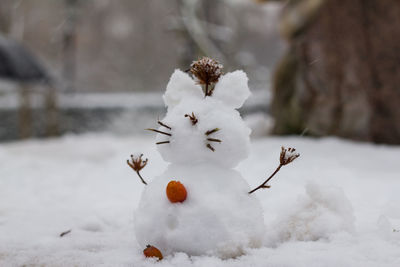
(315, 67)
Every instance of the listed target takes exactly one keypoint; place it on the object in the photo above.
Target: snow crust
(82, 183)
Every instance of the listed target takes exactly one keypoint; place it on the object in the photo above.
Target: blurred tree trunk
(51, 110)
(341, 75)
(69, 45)
(25, 123)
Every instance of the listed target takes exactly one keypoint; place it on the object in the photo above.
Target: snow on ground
(337, 205)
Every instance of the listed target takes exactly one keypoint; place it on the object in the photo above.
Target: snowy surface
(337, 205)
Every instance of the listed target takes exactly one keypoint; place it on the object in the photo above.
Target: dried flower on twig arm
(287, 156)
(207, 72)
(137, 164)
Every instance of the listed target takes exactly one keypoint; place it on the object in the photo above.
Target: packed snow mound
(218, 217)
(323, 211)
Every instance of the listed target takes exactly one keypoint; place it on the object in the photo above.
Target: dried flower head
(288, 155)
(207, 72)
(137, 164)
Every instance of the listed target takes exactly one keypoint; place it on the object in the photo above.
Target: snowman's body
(218, 217)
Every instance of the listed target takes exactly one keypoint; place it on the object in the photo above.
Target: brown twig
(210, 147)
(192, 118)
(287, 156)
(138, 164)
(163, 142)
(141, 178)
(164, 125)
(65, 233)
(263, 185)
(211, 131)
(158, 131)
(211, 91)
(214, 140)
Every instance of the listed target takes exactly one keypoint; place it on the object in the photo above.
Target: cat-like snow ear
(180, 86)
(232, 89)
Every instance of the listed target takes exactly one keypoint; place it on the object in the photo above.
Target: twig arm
(141, 178)
(287, 156)
(264, 184)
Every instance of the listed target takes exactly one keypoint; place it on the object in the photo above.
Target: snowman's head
(203, 128)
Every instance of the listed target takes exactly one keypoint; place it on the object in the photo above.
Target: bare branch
(263, 185)
(287, 156)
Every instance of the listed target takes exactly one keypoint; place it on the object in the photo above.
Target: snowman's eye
(192, 118)
(209, 139)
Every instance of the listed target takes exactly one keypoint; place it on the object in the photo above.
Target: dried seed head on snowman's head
(207, 72)
(193, 120)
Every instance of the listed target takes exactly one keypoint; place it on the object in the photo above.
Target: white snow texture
(50, 186)
(323, 211)
(217, 218)
(188, 143)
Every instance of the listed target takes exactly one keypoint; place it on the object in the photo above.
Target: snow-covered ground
(337, 205)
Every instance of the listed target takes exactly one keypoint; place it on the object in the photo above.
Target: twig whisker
(164, 125)
(214, 140)
(211, 131)
(210, 147)
(158, 131)
(163, 142)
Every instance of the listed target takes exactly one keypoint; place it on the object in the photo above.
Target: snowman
(201, 205)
